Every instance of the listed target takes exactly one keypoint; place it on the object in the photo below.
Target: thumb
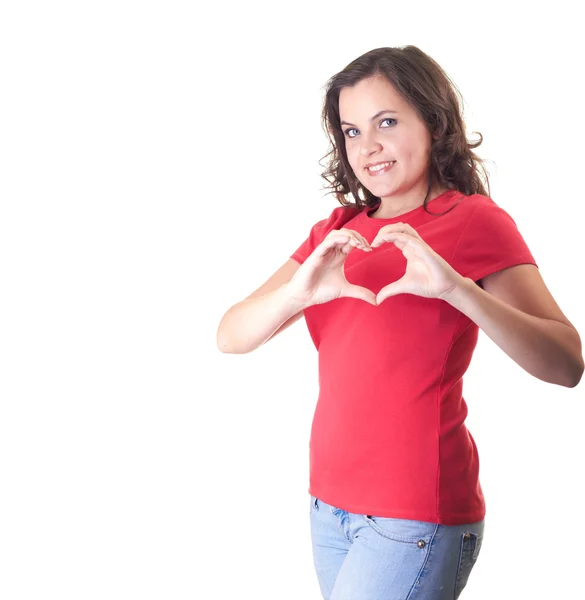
(361, 293)
(392, 289)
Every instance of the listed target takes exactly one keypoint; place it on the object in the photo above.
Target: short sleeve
(336, 220)
(490, 242)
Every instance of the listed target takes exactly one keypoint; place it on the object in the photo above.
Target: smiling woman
(389, 157)
(389, 291)
(397, 104)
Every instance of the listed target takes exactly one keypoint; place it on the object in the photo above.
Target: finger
(353, 242)
(358, 236)
(407, 243)
(392, 236)
(342, 235)
(346, 249)
(361, 293)
(337, 238)
(364, 244)
(413, 232)
(345, 239)
(392, 289)
(356, 241)
(402, 227)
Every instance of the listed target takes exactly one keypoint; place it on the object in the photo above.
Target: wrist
(461, 291)
(295, 301)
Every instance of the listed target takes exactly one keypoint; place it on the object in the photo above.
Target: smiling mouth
(381, 171)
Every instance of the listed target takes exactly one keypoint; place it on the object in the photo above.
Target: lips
(380, 171)
(379, 162)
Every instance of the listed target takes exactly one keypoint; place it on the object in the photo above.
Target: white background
(158, 163)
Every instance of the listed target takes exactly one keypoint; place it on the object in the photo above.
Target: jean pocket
(469, 551)
(403, 530)
(313, 504)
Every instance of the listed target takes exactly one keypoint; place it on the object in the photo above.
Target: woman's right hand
(321, 277)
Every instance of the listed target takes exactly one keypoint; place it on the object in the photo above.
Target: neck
(393, 206)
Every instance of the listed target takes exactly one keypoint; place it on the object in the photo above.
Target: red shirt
(388, 436)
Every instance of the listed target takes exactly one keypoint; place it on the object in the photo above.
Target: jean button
(421, 543)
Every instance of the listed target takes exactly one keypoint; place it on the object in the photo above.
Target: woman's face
(399, 136)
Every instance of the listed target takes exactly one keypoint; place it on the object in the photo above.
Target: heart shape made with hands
(427, 274)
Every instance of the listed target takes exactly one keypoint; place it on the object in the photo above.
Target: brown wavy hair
(438, 102)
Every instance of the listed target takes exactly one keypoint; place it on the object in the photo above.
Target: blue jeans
(364, 557)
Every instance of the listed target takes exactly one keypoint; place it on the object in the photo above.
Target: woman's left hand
(427, 274)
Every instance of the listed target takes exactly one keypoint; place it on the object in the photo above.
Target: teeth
(378, 167)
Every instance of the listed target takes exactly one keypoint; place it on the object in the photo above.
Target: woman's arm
(260, 316)
(253, 321)
(517, 311)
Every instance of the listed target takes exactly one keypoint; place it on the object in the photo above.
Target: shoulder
(344, 213)
(478, 210)
(338, 217)
(474, 203)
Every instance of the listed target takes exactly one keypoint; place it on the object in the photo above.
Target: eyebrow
(374, 117)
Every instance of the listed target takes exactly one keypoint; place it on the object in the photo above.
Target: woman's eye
(353, 128)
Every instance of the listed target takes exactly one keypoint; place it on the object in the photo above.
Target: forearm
(549, 350)
(250, 323)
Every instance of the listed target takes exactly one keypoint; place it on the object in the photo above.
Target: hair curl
(428, 89)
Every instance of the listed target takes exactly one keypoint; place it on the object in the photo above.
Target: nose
(369, 146)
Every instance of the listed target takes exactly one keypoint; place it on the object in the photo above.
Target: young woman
(394, 287)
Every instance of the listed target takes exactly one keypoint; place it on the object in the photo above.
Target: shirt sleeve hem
(481, 273)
